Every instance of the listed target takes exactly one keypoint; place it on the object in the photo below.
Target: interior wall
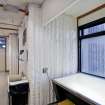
(2, 59)
(53, 46)
(23, 57)
(13, 54)
(33, 33)
(7, 54)
(94, 16)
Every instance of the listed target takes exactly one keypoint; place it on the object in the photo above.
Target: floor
(3, 89)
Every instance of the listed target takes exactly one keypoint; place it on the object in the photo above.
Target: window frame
(82, 36)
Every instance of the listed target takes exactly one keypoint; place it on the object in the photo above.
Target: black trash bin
(18, 94)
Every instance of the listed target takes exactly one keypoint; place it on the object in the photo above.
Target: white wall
(7, 54)
(23, 57)
(13, 54)
(94, 16)
(53, 46)
(33, 33)
(2, 59)
(52, 8)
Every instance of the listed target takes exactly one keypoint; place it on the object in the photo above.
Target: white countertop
(88, 86)
(17, 82)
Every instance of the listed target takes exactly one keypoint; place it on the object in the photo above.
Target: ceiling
(11, 17)
(84, 6)
(20, 3)
(15, 18)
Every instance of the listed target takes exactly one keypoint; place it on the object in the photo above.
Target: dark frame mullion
(94, 23)
(79, 44)
(93, 75)
(102, 33)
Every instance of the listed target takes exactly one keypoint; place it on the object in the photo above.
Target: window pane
(94, 29)
(2, 42)
(93, 56)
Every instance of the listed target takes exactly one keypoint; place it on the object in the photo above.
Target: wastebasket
(18, 94)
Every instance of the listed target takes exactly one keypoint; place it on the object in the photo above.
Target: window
(94, 29)
(92, 48)
(2, 43)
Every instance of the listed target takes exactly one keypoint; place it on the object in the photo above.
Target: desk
(89, 90)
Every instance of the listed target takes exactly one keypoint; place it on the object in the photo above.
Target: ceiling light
(3, 46)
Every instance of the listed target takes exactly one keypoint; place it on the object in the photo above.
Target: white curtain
(53, 46)
(60, 52)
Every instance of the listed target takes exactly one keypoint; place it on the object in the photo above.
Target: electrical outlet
(45, 70)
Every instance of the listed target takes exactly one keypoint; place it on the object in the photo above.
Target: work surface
(88, 86)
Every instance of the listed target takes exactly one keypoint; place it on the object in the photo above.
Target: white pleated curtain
(60, 50)
(53, 46)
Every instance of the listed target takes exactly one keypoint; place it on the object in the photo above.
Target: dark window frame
(82, 36)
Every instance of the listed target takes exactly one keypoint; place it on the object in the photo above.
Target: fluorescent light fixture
(3, 46)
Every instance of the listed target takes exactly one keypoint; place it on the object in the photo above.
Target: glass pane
(93, 56)
(2, 43)
(94, 29)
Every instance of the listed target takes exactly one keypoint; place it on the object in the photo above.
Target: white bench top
(88, 86)
(18, 82)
